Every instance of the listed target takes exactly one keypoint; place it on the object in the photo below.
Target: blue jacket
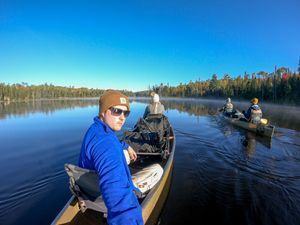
(103, 152)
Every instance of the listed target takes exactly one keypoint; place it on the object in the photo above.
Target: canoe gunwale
(150, 201)
(64, 209)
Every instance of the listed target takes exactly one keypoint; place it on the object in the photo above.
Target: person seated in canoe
(102, 151)
(254, 112)
(155, 107)
(228, 108)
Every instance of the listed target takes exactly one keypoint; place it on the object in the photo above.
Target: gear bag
(150, 136)
(256, 115)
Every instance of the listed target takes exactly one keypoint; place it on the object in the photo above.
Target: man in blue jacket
(102, 151)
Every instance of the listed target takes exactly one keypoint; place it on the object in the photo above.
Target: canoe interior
(151, 204)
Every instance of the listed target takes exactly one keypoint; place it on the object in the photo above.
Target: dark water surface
(222, 174)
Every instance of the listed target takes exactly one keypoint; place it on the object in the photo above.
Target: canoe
(151, 204)
(260, 129)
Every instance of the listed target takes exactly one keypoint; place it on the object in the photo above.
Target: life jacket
(256, 114)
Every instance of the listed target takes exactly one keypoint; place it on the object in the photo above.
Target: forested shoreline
(278, 86)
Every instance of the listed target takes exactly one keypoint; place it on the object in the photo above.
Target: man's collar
(106, 128)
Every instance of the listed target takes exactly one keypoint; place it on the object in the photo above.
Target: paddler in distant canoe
(228, 107)
(254, 112)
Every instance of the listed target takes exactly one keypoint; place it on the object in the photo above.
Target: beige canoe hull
(260, 129)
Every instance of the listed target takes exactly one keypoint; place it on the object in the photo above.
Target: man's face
(113, 118)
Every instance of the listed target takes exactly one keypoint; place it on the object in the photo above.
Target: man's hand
(132, 154)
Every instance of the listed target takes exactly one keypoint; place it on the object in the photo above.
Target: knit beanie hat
(152, 94)
(112, 98)
(156, 98)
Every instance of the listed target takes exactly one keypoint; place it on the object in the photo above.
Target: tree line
(281, 85)
(23, 92)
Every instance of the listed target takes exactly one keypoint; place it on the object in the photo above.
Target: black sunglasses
(118, 112)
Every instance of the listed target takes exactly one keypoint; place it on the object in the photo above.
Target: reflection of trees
(45, 106)
(278, 115)
(191, 106)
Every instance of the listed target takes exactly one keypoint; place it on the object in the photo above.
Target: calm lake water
(222, 174)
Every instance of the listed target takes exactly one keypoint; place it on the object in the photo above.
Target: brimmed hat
(112, 98)
(254, 101)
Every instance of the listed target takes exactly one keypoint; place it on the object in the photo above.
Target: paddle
(263, 121)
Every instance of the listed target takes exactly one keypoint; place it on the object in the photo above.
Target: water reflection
(224, 174)
(193, 107)
(44, 106)
(278, 115)
(249, 141)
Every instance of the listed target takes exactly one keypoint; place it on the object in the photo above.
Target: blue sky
(133, 44)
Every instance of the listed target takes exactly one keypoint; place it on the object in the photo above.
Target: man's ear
(101, 115)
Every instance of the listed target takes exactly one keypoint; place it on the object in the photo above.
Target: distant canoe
(151, 204)
(260, 129)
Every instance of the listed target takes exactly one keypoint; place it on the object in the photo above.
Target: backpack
(150, 135)
(256, 115)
